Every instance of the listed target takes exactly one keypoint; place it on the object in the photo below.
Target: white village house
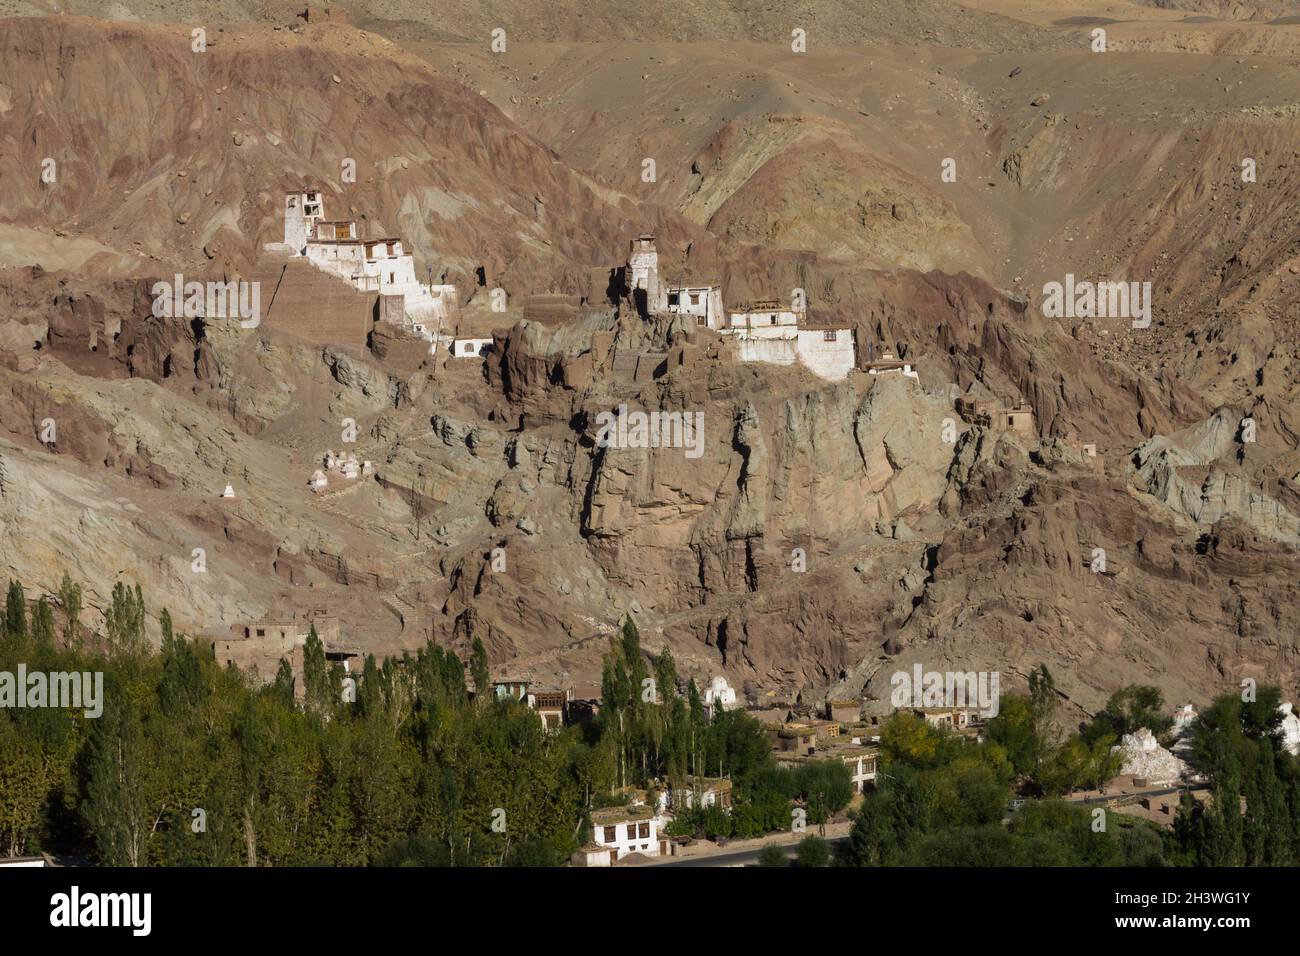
(619, 831)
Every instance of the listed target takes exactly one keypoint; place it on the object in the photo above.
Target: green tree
(813, 851)
(23, 787)
(773, 855)
(478, 670)
(43, 628)
(70, 599)
(16, 613)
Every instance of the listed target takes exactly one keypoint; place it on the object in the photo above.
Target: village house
(620, 831)
(802, 735)
(711, 792)
(860, 758)
(844, 711)
(582, 705)
(550, 707)
(951, 718)
(262, 645)
(378, 265)
(793, 737)
(889, 364)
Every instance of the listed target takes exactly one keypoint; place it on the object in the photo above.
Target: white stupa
(1290, 729)
(1142, 756)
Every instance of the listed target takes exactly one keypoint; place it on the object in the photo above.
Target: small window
(611, 834)
(261, 632)
(829, 335)
(644, 831)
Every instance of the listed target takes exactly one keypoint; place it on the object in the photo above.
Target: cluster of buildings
(379, 265)
(996, 415)
(347, 466)
(637, 829)
(764, 331)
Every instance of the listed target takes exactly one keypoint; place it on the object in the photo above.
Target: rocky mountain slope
(922, 538)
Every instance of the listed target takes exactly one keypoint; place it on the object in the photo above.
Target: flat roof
(608, 816)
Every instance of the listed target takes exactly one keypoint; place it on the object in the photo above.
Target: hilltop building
(994, 414)
(702, 303)
(379, 265)
(763, 331)
(642, 277)
(766, 331)
(888, 364)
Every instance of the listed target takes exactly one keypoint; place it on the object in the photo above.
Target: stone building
(994, 414)
(262, 645)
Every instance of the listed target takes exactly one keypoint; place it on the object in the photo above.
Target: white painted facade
(829, 353)
(719, 694)
(770, 332)
(469, 347)
(763, 322)
(863, 771)
(371, 265)
(1290, 729)
(631, 833)
(703, 303)
(643, 273)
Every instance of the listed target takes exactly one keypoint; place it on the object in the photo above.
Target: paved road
(740, 857)
(1112, 796)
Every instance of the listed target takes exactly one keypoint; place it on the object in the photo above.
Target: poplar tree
(16, 614)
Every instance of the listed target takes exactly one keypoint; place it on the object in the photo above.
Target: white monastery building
(764, 331)
(372, 265)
